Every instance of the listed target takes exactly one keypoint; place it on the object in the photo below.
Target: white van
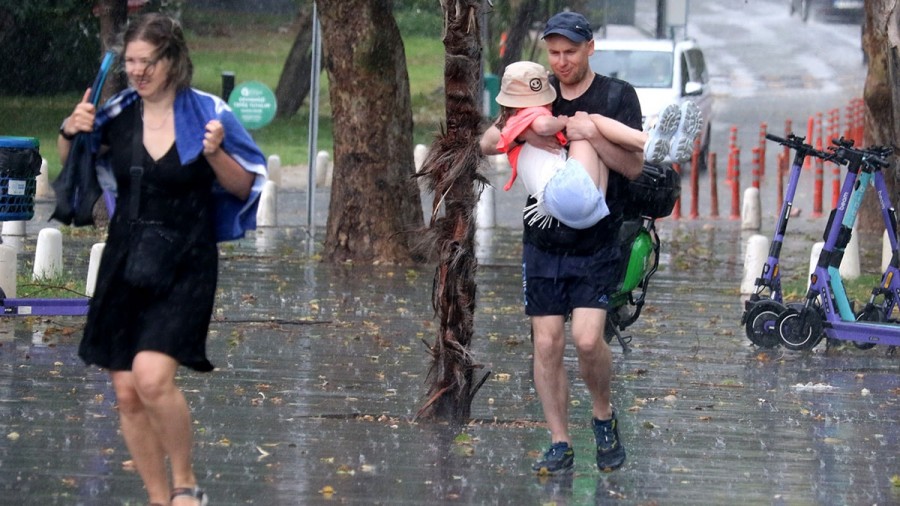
(662, 72)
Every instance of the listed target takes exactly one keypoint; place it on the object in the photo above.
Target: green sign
(253, 104)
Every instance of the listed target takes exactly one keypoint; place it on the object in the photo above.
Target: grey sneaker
(559, 459)
(660, 135)
(682, 146)
(610, 452)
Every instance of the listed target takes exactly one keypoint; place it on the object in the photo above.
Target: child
(526, 96)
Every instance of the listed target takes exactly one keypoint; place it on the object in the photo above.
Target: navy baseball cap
(570, 25)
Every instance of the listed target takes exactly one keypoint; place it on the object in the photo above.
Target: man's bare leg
(594, 358)
(550, 380)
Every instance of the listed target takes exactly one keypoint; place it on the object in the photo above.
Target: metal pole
(313, 128)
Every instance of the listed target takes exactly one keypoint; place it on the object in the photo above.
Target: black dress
(123, 320)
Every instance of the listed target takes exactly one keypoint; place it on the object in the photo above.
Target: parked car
(662, 72)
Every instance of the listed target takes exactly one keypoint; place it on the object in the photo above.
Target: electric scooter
(760, 313)
(651, 196)
(827, 310)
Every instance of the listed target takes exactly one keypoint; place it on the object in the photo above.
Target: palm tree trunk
(452, 173)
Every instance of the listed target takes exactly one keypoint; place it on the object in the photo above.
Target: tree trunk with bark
(881, 43)
(375, 203)
(451, 171)
(293, 85)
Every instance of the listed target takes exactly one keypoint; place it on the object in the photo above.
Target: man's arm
(628, 163)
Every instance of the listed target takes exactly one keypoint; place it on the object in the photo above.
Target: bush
(48, 47)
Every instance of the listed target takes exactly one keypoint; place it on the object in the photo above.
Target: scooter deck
(45, 307)
(886, 333)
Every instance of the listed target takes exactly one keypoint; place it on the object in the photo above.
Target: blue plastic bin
(20, 163)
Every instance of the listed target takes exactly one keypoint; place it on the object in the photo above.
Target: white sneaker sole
(682, 147)
(660, 135)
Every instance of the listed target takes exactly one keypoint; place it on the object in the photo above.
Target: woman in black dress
(157, 278)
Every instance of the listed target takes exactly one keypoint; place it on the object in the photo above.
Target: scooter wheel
(799, 330)
(760, 323)
(869, 314)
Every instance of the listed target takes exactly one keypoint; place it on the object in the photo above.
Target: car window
(696, 66)
(643, 69)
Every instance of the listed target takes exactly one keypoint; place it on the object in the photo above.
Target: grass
(255, 51)
(859, 289)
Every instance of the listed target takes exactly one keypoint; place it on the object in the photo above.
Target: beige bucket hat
(525, 84)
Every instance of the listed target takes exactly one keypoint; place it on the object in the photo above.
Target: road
(767, 66)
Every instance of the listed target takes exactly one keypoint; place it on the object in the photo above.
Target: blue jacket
(193, 110)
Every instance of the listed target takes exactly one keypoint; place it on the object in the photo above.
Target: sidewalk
(320, 369)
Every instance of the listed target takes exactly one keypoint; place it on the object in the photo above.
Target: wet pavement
(321, 368)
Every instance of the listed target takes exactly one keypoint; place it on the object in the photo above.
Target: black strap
(137, 169)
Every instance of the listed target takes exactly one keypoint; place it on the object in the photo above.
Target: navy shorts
(556, 284)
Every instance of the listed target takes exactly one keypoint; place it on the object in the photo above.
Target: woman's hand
(212, 140)
(81, 119)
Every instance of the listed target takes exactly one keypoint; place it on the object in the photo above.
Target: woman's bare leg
(142, 441)
(168, 412)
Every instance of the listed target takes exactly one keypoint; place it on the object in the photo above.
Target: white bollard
(419, 154)
(886, 252)
(273, 167)
(849, 268)
(16, 228)
(322, 162)
(93, 266)
(485, 216)
(814, 257)
(48, 255)
(754, 260)
(42, 189)
(8, 270)
(750, 211)
(266, 213)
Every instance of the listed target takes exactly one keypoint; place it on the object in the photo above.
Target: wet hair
(166, 35)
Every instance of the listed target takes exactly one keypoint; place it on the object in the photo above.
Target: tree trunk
(452, 173)
(293, 85)
(375, 202)
(881, 42)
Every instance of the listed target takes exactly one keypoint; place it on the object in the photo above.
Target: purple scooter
(827, 309)
(761, 313)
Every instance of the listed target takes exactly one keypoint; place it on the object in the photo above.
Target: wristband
(62, 131)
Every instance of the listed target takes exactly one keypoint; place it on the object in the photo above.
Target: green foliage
(254, 47)
(422, 20)
(47, 49)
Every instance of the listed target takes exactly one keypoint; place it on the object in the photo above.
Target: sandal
(192, 492)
